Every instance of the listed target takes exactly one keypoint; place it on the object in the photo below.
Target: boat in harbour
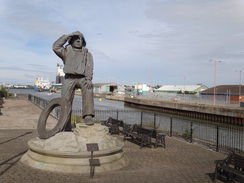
(42, 84)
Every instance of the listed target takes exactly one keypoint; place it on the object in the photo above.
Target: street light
(239, 86)
(184, 86)
(151, 76)
(215, 63)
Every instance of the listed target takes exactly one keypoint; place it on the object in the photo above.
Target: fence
(215, 136)
(42, 103)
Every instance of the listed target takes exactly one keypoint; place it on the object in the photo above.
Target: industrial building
(108, 88)
(234, 93)
(181, 88)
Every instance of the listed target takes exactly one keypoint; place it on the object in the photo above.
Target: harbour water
(102, 104)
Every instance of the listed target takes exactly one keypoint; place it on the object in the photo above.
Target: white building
(60, 74)
(142, 88)
(181, 88)
(108, 88)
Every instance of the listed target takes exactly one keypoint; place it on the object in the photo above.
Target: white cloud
(127, 37)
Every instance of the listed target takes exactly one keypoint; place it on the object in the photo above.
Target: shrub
(3, 92)
(187, 135)
(77, 119)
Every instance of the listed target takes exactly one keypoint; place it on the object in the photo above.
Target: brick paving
(179, 162)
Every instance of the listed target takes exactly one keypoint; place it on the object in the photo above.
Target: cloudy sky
(165, 42)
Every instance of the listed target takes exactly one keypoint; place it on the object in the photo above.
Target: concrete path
(19, 113)
(180, 162)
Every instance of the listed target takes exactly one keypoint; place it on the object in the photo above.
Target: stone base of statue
(67, 151)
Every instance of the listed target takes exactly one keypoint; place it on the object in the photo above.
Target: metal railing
(42, 103)
(215, 136)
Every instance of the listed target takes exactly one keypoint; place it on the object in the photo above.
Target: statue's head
(77, 41)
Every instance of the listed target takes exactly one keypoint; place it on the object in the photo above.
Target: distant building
(20, 86)
(108, 88)
(60, 74)
(141, 89)
(181, 88)
(233, 92)
(2, 85)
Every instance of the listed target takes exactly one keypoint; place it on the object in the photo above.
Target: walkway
(180, 162)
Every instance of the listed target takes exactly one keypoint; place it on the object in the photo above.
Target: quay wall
(116, 97)
(201, 111)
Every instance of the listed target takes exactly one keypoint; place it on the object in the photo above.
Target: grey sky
(132, 41)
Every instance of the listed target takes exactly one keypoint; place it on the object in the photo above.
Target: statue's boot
(89, 121)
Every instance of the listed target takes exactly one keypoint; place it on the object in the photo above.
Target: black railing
(42, 103)
(215, 136)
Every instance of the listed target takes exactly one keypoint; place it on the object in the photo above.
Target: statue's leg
(67, 92)
(87, 105)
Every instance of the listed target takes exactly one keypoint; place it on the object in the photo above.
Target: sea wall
(215, 112)
(116, 97)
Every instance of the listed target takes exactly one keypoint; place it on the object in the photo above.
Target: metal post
(191, 132)
(154, 121)
(229, 95)
(217, 139)
(215, 63)
(240, 89)
(117, 114)
(141, 117)
(92, 168)
(171, 120)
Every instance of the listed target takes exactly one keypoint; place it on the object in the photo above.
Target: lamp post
(151, 77)
(184, 86)
(215, 64)
(240, 86)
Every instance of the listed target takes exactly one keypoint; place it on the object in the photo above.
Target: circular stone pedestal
(67, 151)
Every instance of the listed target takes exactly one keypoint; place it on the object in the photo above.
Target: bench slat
(233, 170)
(234, 164)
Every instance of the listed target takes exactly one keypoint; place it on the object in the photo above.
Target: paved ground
(180, 162)
(19, 113)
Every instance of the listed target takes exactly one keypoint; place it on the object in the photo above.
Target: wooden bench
(232, 167)
(159, 137)
(138, 134)
(114, 125)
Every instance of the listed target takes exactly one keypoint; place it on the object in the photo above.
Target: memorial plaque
(92, 147)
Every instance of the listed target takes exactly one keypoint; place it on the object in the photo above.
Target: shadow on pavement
(15, 137)
(18, 156)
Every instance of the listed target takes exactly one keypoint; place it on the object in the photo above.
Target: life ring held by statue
(63, 119)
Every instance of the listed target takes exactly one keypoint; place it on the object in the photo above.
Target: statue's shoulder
(85, 50)
(89, 54)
